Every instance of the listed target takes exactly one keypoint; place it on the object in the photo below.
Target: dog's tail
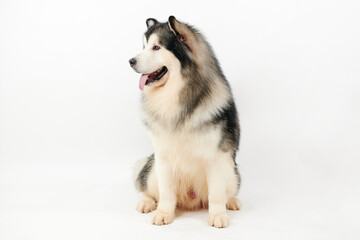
(141, 171)
(139, 165)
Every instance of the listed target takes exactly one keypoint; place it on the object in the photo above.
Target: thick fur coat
(192, 122)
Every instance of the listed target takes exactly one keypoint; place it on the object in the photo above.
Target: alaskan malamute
(190, 114)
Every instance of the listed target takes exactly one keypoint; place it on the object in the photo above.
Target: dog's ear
(178, 28)
(151, 22)
(182, 32)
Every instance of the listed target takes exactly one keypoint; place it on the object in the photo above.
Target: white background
(70, 129)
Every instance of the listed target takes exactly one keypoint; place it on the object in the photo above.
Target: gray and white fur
(192, 121)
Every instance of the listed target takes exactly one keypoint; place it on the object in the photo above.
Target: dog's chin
(154, 79)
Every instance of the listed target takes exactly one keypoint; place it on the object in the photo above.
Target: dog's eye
(156, 47)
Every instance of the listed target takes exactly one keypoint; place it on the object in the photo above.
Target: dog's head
(168, 49)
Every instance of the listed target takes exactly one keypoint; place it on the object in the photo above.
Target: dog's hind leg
(146, 204)
(233, 204)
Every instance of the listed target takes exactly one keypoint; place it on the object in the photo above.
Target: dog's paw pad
(219, 220)
(162, 218)
(146, 205)
(233, 204)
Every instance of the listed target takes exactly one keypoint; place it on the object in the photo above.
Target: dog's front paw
(162, 218)
(219, 220)
(233, 204)
(146, 205)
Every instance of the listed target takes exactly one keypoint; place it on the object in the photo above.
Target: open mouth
(148, 79)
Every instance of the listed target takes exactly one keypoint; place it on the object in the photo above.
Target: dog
(192, 121)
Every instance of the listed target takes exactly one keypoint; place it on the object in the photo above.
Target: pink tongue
(142, 81)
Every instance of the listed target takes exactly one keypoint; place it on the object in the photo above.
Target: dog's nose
(132, 62)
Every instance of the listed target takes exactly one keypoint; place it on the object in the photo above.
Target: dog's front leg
(167, 192)
(216, 180)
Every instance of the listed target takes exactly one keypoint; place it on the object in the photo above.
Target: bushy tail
(139, 165)
(142, 171)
